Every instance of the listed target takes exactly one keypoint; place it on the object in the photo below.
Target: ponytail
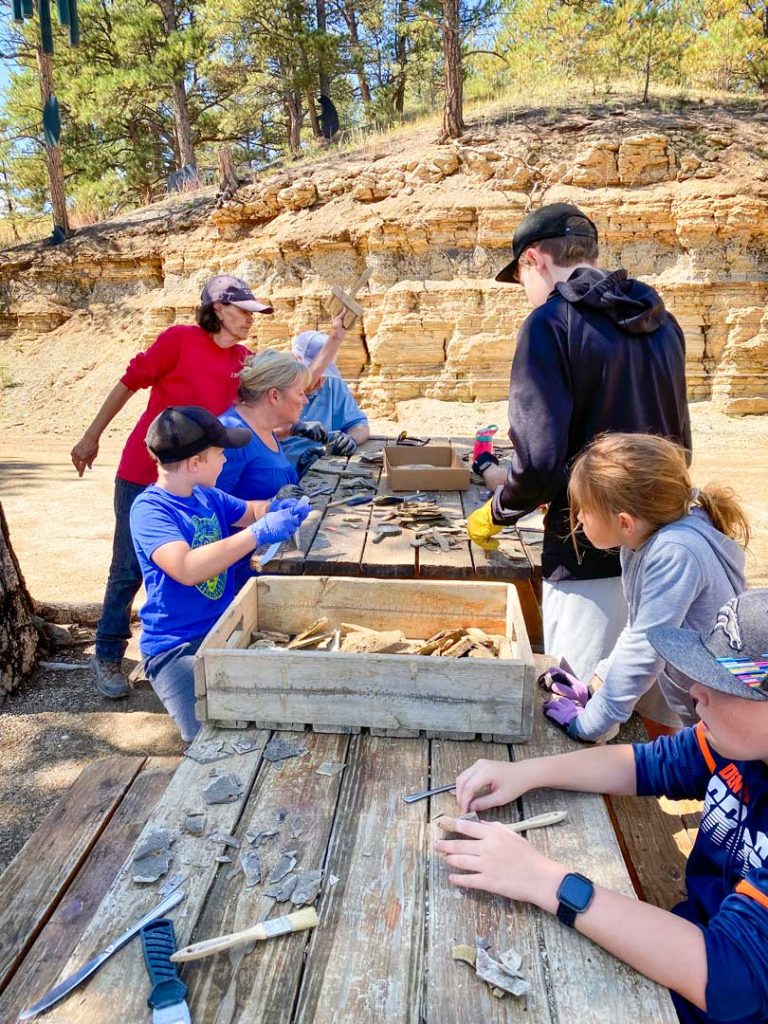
(727, 515)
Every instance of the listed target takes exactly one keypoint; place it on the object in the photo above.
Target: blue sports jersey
(727, 871)
(333, 406)
(173, 612)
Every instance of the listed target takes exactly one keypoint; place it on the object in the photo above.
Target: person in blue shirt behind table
(330, 403)
(710, 950)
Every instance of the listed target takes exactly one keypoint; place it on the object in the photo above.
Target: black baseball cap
(181, 431)
(232, 291)
(557, 220)
(732, 657)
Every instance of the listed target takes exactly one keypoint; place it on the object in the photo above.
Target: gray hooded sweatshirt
(681, 576)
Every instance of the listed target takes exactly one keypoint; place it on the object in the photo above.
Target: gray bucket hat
(733, 657)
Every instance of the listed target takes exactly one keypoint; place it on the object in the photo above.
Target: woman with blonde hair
(682, 558)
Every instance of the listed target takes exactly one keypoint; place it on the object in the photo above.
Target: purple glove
(557, 680)
(279, 525)
(565, 714)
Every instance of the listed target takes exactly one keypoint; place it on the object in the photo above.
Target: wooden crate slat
(40, 874)
(118, 991)
(453, 991)
(261, 986)
(61, 934)
(376, 690)
(588, 984)
(419, 608)
(365, 960)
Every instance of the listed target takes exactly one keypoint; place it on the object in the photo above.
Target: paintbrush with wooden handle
(297, 922)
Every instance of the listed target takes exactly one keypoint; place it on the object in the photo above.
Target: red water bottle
(484, 441)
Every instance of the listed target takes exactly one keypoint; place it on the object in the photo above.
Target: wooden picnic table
(388, 915)
(329, 545)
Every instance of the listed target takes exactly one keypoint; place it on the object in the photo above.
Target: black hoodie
(601, 354)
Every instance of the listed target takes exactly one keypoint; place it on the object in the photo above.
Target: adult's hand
(497, 860)
(481, 528)
(312, 429)
(84, 453)
(343, 444)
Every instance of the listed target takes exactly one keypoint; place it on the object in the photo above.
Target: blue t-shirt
(254, 472)
(333, 406)
(174, 613)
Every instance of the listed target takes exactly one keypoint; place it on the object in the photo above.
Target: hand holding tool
(297, 922)
(482, 529)
(341, 443)
(313, 430)
(169, 992)
(65, 987)
(344, 303)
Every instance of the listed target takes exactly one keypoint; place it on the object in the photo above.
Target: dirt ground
(61, 529)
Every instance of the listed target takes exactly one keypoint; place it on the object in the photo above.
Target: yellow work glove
(481, 528)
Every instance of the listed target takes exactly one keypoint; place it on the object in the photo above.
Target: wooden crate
(392, 694)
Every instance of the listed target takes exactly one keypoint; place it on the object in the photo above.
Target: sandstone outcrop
(681, 202)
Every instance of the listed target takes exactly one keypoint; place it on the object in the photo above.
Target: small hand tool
(65, 987)
(296, 922)
(346, 303)
(447, 823)
(411, 798)
(405, 438)
(168, 995)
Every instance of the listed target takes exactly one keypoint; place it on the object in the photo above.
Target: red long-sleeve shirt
(184, 366)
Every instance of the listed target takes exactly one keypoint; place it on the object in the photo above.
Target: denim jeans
(172, 674)
(114, 629)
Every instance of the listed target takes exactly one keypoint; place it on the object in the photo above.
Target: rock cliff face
(681, 201)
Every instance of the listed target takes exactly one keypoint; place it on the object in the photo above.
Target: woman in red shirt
(186, 365)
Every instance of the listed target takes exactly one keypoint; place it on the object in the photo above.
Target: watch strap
(566, 914)
(567, 911)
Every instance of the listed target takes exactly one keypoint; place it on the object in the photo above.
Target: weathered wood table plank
(388, 915)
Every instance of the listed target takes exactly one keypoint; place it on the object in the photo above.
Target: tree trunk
(52, 153)
(18, 636)
(357, 57)
(179, 103)
(453, 120)
(227, 176)
(312, 111)
(295, 115)
(325, 78)
(401, 56)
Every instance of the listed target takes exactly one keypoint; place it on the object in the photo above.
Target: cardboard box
(432, 467)
(337, 691)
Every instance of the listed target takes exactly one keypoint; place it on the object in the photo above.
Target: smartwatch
(574, 896)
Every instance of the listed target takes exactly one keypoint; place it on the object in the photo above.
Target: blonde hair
(647, 477)
(270, 369)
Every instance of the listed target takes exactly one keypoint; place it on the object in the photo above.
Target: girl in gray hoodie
(682, 558)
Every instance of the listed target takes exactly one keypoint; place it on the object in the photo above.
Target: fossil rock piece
(224, 789)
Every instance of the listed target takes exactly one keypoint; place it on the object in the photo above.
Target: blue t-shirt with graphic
(254, 472)
(333, 406)
(174, 613)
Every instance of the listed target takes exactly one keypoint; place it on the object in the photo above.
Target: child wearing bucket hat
(710, 950)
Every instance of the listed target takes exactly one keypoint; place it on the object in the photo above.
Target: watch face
(576, 892)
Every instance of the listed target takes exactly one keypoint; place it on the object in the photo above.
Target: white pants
(582, 621)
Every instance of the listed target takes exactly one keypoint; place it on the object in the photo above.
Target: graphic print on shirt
(206, 532)
(723, 812)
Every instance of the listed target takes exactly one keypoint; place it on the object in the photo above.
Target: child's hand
(503, 780)
(501, 861)
(563, 712)
(280, 525)
(564, 684)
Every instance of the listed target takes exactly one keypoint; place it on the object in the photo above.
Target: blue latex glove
(557, 680)
(342, 444)
(313, 429)
(564, 713)
(289, 502)
(279, 525)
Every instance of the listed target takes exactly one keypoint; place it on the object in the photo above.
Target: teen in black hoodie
(600, 352)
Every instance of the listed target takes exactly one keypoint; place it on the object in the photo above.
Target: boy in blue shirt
(180, 529)
(710, 950)
(331, 404)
